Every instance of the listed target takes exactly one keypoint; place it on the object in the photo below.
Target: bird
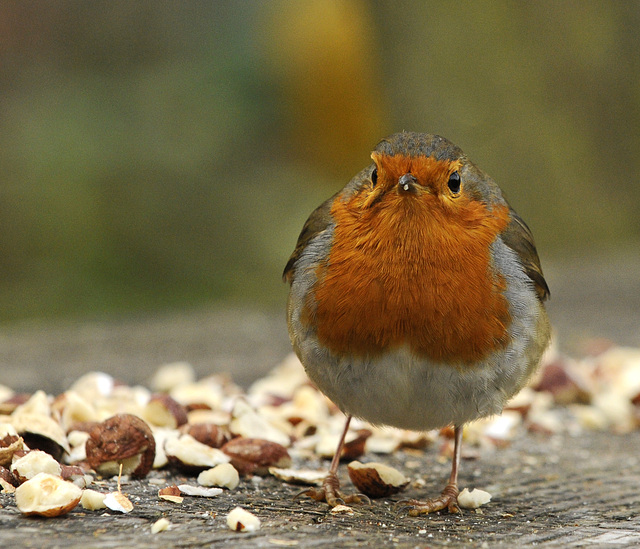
(416, 299)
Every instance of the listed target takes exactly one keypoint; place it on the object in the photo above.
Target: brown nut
(122, 439)
(255, 455)
(197, 406)
(210, 434)
(355, 448)
(164, 411)
(7, 476)
(170, 493)
(172, 490)
(558, 379)
(75, 474)
(84, 426)
(376, 480)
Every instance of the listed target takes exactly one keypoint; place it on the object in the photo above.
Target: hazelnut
(172, 375)
(193, 406)
(47, 495)
(9, 405)
(10, 442)
(78, 442)
(376, 480)
(200, 491)
(473, 499)
(75, 474)
(82, 427)
(199, 393)
(210, 434)
(299, 476)
(558, 378)
(255, 455)
(92, 500)
(170, 493)
(94, 386)
(32, 463)
(186, 452)
(246, 422)
(41, 432)
(122, 439)
(164, 411)
(160, 525)
(240, 520)
(172, 490)
(355, 448)
(72, 410)
(7, 478)
(207, 415)
(223, 475)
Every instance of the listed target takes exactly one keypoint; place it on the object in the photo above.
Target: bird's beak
(407, 183)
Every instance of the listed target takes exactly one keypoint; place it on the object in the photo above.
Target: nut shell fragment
(376, 480)
(117, 501)
(170, 493)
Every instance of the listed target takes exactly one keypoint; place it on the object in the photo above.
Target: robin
(416, 298)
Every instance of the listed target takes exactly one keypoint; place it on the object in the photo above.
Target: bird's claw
(447, 500)
(330, 493)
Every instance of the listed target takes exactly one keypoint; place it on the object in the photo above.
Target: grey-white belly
(400, 389)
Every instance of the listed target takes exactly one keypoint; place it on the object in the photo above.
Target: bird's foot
(448, 499)
(330, 493)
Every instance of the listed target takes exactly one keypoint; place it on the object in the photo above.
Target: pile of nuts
(51, 449)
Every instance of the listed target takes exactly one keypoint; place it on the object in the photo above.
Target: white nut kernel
(223, 475)
(240, 520)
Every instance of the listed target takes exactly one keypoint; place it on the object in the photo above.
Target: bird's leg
(330, 490)
(449, 497)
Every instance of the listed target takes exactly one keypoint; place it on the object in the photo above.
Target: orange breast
(407, 272)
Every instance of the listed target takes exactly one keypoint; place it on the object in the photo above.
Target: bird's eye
(374, 176)
(454, 183)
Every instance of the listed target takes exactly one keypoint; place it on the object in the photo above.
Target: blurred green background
(162, 155)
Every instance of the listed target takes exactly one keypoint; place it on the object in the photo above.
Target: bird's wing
(518, 237)
(318, 221)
